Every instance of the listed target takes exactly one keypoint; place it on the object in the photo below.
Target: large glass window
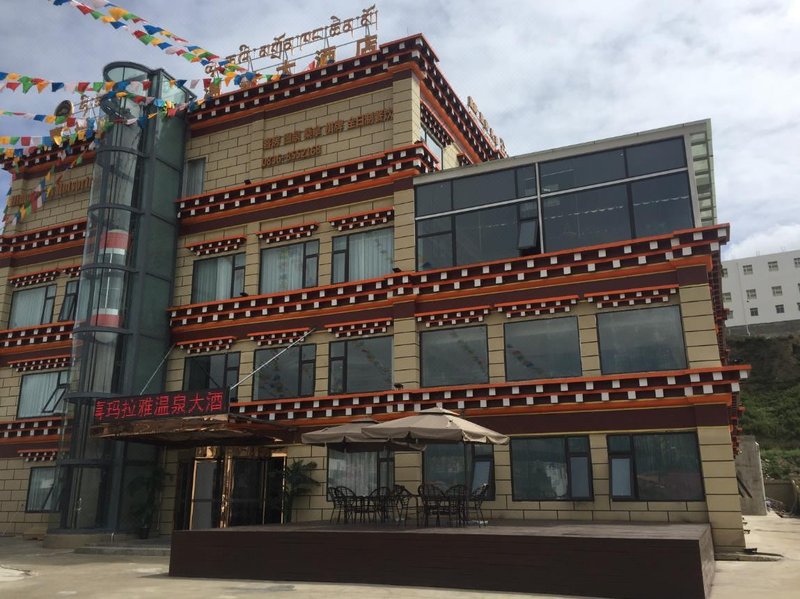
(478, 236)
(551, 468)
(360, 471)
(194, 176)
(218, 278)
(215, 371)
(449, 464)
(291, 374)
(656, 156)
(644, 340)
(578, 171)
(482, 190)
(454, 357)
(41, 490)
(540, 349)
(364, 255)
(586, 218)
(434, 145)
(655, 467)
(40, 394)
(289, 267)
(70, 302)
(661, 205)
(30, 307)
(359, 365)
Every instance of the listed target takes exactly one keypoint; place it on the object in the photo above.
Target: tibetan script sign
(173, 404)
(62, 188)
(281, 47)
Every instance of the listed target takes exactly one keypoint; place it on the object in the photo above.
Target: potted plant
(144, 491)
(297, 481)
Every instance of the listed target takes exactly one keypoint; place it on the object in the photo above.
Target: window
(656, 156)
(215, 371)
(289, 267)
(41, 487)
(194, 176)
(730, 314)
(798, 306)
(747, 269)
(70, 302)
(434, 145)
(643, 340)
(753, 311)
(797, 262)
(290, 375)
(586, 218)
(360, 471)
(724, 273)
(40, 393)
(655, 467)
(726, 297)
(777, 291)
(779, 309)
(551, 468)
(751, 294)
(454, 357)
(578, 171)
(448, 464)
(772, 265)
(218, 278)
(30, 307)
(478, 236)
(364, 255)
(540, 349)
(661, 205)
(360, 365)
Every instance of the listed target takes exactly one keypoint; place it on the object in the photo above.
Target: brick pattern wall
(14, 475)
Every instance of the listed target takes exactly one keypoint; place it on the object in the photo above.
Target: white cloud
(780, 238)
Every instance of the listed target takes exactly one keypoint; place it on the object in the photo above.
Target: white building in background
(762, 293)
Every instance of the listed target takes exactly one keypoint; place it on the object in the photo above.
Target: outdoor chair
(434, 502)
(338, 499)
(401, 500)
(456, 507)
(355, 507)
(476, 500)
(379, 503)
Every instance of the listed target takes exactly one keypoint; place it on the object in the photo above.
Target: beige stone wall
(14, 476)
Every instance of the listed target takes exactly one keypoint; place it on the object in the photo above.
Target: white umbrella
(434, 424)
(350, 436)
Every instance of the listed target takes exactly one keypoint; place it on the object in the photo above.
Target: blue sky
(545, 74)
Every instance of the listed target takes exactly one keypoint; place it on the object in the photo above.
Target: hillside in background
(771, 397)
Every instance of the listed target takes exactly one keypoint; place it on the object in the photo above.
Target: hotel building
(569, 298)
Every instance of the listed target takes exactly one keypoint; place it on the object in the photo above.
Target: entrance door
(207, 494)
(248, 492)
(275, 466)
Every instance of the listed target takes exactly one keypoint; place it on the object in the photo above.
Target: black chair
(379, 503)
(434, 502)
(401, 501)
(355, 507)
(456, 504)
(476, 499)
(338, 499)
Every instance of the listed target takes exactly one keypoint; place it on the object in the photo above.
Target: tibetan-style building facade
(569, 298)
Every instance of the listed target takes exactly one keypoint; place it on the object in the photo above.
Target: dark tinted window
(449, 464)
(433, 198)
(654, 157)
(586, 218)
(526, 181)
(484, 189)
(216, 371)
(551, 468)
(662, 205)
(291, 374)
(643, 340)
(454, 357)
(538, 349)
(360, 365)
(484, 235)
(577, 171)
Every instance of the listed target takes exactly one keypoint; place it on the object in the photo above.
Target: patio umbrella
(433, 425)
(349, 436)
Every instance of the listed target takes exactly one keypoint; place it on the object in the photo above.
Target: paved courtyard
(29, 571)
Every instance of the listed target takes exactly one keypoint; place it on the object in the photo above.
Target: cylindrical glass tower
(126, 279)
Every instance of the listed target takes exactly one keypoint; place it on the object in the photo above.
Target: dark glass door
(248, 492)
(274, 507)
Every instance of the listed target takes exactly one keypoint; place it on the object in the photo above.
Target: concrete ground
(29, 571)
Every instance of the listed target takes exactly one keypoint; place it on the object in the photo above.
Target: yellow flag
(56, 135)
(117, 12)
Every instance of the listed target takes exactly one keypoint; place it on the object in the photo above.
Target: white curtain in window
(358, 471)
(26, 308)
(35, 392)
(370, 254)
(40, 489)
(193, 179)
(282, 269)
(212, 279)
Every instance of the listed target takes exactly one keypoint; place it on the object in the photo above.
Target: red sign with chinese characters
(174, 404)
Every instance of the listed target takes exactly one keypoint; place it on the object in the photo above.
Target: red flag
(82, 85)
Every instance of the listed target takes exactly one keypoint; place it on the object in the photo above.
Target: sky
(545, 74)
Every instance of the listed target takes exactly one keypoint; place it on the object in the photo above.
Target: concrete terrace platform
(600, 560)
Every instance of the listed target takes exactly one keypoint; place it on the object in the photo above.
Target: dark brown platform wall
(644, 567)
